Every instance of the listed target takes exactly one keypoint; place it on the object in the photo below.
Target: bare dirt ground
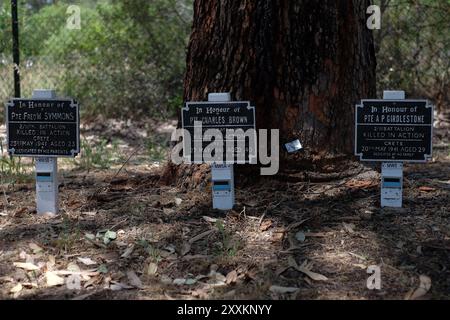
(125, 236)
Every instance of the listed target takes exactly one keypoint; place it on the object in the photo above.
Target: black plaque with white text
(232, 119)
(43, 128)
(391, 130)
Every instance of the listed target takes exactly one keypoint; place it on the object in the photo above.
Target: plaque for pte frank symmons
(43, 127)
(224, 116)
(394, 131)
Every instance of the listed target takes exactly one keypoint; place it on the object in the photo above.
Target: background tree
(304, 64)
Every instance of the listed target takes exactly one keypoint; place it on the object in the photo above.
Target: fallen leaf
(90, 236)
(134, 280)
(349, 227)
(120, 286)
(316, 235)
(89, 214)
(109, 257)
(178, 201)
(360, 257)
(87, 261)
(121, 244)
(424, 288)
(168, 211)
(360, 184)
(91, 282)
(231, 277)
(84, 274)
(73, 267)
(23, 255)
(30, 285)
(166, 280)
(427, 189)
(179, 282)
(300, 236)
(20, 211)
(53, 280)
(6, 279)
(170, 249)
(102, 269)
(277, 236)
(201, 293)
(51, 262)
(84, 296)
(116, 287)
(16, 288)
(109, 236)
(295, 225)
(283, 290)
(152, 269)
(419, 250)
(214, 268)
(185, 249)
(190, 282)
(201, 236)
(26, 266)
(305, 268)
(230, 294)
(167, 255)
(216, 278)
(209, 219)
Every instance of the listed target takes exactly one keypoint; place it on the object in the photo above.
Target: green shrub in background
(127, 60)
(413, 49)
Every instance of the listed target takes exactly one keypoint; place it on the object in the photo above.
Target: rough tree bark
(303, 63)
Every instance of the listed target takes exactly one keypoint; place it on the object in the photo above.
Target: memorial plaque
(227, 117)
(394, 131)
(43, 127)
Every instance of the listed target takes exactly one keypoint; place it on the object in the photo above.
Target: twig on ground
(338, 185)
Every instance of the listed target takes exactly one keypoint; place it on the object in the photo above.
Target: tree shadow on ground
(345, 233)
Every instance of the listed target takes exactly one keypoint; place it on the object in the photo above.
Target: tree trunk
(303, 63)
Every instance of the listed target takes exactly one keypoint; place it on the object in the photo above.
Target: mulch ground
(284, 240)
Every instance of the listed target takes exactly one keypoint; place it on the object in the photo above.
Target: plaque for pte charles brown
(43, 128)
(394, 131)
(227, 117)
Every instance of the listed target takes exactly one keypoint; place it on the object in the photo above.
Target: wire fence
(413, 50)
(126, 61)
(120, 59)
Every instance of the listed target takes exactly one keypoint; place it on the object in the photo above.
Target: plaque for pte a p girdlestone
(43, 128)
(394, 130)
(233, 119)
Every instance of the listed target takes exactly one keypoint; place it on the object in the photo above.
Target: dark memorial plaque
(223, 116)
(394, 131)
(43, 127)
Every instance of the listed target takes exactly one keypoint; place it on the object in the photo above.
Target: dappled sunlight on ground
(123, 235)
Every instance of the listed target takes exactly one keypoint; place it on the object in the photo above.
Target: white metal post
(392, 172)
(46, 173)
(222, 174)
